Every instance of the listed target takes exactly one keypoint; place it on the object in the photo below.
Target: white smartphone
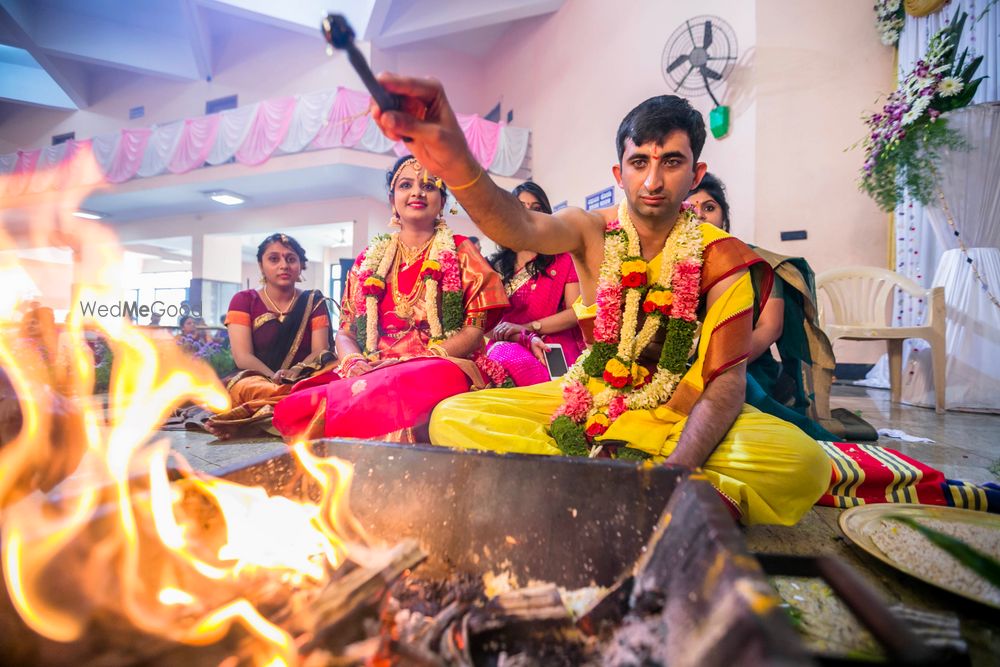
(555, 361)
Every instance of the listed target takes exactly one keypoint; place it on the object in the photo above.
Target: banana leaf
(985, 566)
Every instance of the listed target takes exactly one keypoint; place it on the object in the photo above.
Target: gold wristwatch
(536, 326)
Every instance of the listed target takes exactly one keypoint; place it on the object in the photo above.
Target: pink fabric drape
(347, 121)
(195, 143)
(146, 152)
(482, 137)
(23, 171)
(267, 132)
(125, 163)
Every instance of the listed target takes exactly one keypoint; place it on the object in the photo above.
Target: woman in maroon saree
(278, 335)
(415, 308)
(541, 289)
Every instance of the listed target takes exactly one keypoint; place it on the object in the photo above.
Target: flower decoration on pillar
(905, 138)
(889, 19)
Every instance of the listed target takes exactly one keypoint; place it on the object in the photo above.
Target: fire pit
(573, 523)
(657, 538)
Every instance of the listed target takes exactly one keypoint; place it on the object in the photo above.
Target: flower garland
(439, 269)
(606, 381)
(904, 138)
(889, 20)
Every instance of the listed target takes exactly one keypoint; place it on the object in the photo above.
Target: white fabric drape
(918, 251)
(374, 141)
(105, 146)
(47, 172)
(970, 181)
(970, 184)
(973, 338)
(512, 147)
(311, 112)
(234, 126)
(162, 145)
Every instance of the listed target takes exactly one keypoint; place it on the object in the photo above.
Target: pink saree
(535, 298)
(394, 401)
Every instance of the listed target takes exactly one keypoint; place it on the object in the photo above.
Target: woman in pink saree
(541, 289)
(415, 308)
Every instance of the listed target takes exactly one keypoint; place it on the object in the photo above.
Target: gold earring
(263, 279)
(454, 209)
(300, 279)
(394, 220)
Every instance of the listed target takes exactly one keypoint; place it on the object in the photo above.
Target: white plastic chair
(860, 299)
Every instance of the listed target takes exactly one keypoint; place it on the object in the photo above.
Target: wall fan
(701, 53)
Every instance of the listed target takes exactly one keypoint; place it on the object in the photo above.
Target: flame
(90, 519)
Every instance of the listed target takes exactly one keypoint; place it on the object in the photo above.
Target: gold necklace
(274, 307)
(403, 304)
(410, 255)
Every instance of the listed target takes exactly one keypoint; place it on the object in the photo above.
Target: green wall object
(718, 121)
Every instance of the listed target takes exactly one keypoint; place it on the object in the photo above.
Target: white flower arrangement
(889, 20)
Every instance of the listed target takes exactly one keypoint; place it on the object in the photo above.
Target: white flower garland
(376, 266)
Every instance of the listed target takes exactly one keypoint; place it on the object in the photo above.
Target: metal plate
(856, 521)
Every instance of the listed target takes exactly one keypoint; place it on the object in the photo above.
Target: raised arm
(437, 141)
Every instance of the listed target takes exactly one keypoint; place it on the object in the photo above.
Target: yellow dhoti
(770, 470)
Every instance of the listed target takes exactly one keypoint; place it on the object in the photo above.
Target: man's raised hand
(426, 118)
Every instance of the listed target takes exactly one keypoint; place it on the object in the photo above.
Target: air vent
(221, 104)
(136, 112)
(63, 138)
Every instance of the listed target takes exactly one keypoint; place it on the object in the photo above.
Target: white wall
(571, 77)
(818, 67)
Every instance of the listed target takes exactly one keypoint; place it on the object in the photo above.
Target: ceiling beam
(16, 20)
(201, 42)
(376, 18)
(32, 85)
(426, 19)
(300, 17)
(99, 41)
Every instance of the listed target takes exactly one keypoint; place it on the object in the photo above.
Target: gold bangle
(437, 349)
(455, 188)
(348, 359)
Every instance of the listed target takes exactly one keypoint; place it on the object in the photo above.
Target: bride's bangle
(437, 349)
(347, 361)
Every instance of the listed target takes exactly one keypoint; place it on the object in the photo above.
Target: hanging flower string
(607, 381)
(904, 139)
(889, 20)
(965, 251)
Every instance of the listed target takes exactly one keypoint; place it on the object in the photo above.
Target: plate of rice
(904, 548)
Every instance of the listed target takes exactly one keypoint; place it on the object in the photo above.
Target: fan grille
(685, 53)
